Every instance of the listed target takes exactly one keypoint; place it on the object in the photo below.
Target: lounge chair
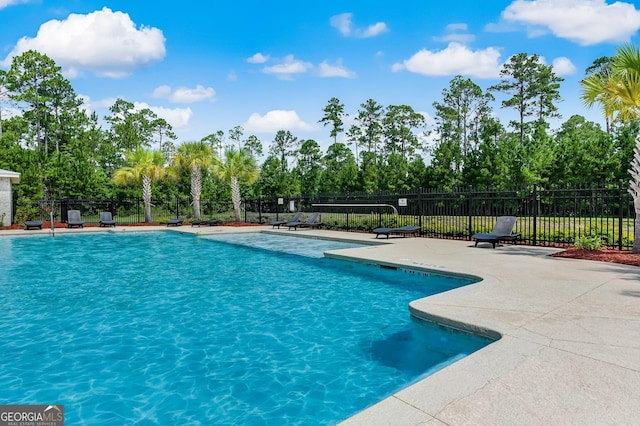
(106, 219)
(209, 222)
(175, 222)
(33, 224)
(310, 223)
(502, 231)
(295, 218)
(74, 220)
(403, 230)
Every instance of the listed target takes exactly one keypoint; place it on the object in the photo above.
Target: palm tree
(143, 166)
(196, 157)
(619, 92)
(238, 166)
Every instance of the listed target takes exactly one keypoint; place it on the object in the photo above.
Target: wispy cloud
(338, 70)
(184, 95)
(288, 67)
(5, 3)
(457, 33)
(344, 24)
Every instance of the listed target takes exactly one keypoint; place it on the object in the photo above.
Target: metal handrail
(357, 205)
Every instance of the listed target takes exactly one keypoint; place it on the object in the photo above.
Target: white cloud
(373, 30)
(456, 37)
(344, 24)
(457, 27)
(5, 3)
(177, 117)
(456, 33)
(429, 120)
(163, 91)
(327, 70)
(275, 120)
(258, 58)
(455, 59)
(585, 22)
(103, 42)
(563, 66)
(288, 67)
(184, 95)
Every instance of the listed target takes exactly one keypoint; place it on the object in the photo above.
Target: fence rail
(546, 216)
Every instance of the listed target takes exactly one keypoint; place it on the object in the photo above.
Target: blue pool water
(163, 328)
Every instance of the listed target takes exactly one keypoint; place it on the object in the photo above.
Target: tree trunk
(146, 197)
(196, 190)
(235, 196)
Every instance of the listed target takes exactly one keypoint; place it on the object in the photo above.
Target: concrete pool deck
(570, 347)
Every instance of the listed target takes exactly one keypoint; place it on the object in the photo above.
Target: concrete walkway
(569, 351)
(570, 347)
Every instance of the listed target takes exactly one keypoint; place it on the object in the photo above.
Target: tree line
(61, 151)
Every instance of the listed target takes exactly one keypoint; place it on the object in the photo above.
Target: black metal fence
(546, 216)
(124, 212)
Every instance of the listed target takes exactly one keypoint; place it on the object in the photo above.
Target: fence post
(535, 214)
(620, 214)
(469, 203)
(420, 208)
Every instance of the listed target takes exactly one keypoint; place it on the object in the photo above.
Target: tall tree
(194, 157)
(143, 166)
(284, 145)
(30, 80)
(4, 96)
(399, 123)
(340, 173)
(334, 114)
(235, 135)
(216, 142)
(237, 166)
(253, 145)
(533, 88)
(369, 120)
(309, 167)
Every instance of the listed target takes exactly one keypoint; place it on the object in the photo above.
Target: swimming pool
(166, 328)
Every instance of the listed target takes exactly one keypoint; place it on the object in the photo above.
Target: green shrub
(592, 243)
(25, 210)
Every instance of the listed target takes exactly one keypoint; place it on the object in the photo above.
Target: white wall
(5, 200)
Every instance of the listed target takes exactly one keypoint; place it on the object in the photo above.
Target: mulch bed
(624, 257)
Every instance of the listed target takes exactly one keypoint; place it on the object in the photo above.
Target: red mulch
(605, 255)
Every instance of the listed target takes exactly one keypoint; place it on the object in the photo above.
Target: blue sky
(267, 66)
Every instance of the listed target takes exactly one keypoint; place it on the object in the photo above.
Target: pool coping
(569, 351)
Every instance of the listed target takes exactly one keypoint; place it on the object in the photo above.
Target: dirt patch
(624, 257)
